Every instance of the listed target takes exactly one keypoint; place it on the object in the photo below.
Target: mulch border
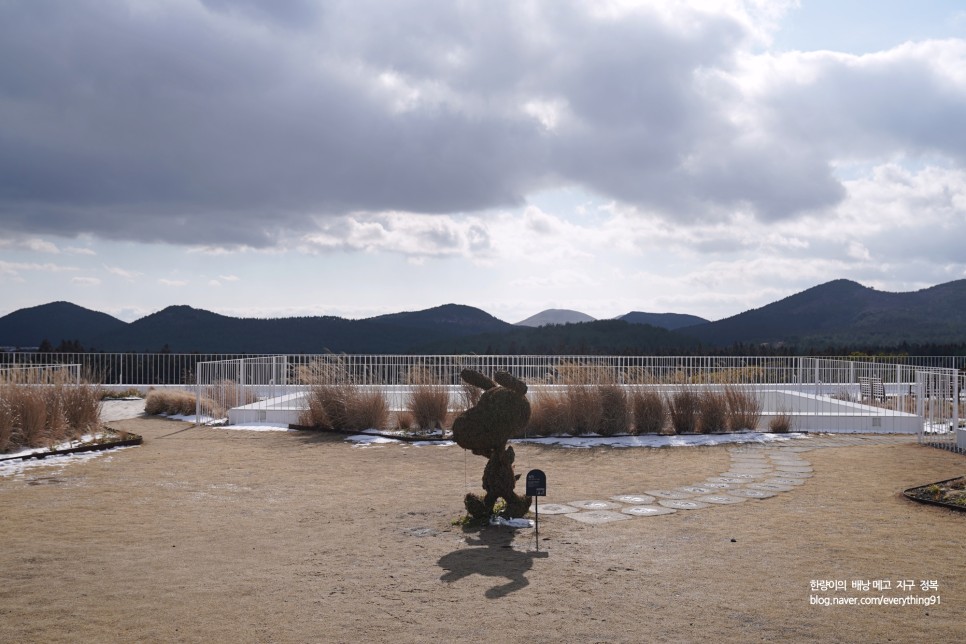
(90, 447)
(910, 494)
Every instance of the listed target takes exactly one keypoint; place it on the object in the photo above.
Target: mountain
(841, 314)
(555, 316)
(845, 313)
(600, 337)
(449, 319)
(56, 322)
(185, 329)
(670, 321)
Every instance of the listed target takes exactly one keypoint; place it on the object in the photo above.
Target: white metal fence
(40, 374)
(832, 394)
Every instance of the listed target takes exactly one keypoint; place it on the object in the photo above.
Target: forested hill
(844, 313)
(840, 314)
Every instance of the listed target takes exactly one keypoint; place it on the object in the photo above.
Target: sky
(271, 158)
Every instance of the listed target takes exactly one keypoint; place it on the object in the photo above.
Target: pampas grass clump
(615, 412)
(683, 406)
(170, 402)
(713, 412)
(744, 409)
(649, 412)
(34, 415)
(549, 414)
(345, 407)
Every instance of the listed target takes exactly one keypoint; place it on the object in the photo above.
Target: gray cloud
(236, 122)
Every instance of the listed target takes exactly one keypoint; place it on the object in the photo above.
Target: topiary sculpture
(502, 411)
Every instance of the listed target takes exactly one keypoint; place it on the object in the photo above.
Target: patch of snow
(511, 523)
(688, 440)
(261, 427)
(17, 468)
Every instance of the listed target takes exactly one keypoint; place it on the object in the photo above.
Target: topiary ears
(511, 382)
(477, 379)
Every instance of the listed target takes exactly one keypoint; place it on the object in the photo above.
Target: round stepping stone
(792, 469)
(680, 504)
(794, 475)
(721, 499)
(554, 508)
(790, 462)
(770, 487)
(752, 494)
(718, 486)
(741, 476)
(669, 494)
(594, 504)
(636, 499)
(647, 511)
(696, 489)
(785, 481)
(597, 516)
(727, 479)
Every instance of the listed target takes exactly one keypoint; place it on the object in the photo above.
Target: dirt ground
(211, 535)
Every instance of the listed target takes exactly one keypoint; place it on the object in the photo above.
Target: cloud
(124, 273)
(419, 128)
(85, 281)
(172, 283)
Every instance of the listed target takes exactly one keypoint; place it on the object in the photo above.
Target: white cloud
(124, 273)
(86, 281)
(172, 283)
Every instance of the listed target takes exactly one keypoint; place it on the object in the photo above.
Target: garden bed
(950, 493)
(107, 439)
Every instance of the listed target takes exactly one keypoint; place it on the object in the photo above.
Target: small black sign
(536, 483)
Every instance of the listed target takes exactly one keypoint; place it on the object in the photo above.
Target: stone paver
(756, 472)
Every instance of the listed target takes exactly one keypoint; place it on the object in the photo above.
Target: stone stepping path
(756, 472)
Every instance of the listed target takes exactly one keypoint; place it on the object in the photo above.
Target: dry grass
(780, 423)
(170, 402)
(649, 412)
(683, 407)
(44, 415)
(615, 410)
(713, 416)
(549, 413)
(345, 407)
(429, 405)
(585, 409)
(428, 399)
(744, 409)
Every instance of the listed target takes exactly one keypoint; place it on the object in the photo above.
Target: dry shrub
(7, 419)
(404, 421)
(429, 405)
(781, 423)
(82, 408)
(428, 399)
(549, 414)
(170, 402)
(33, 417)
(683, 406)
(345, 407)
(713, 418)
(649, 413)
(586, 409)
(744, 409)
(615, 411)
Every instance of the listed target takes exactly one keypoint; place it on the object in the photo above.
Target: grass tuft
(649, 412)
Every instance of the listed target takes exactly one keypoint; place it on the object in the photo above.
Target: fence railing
(147, 369)
(826, 391)
(40, 374)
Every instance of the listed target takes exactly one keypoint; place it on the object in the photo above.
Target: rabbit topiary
(501, 412)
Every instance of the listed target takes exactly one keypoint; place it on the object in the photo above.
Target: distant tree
(45, 346)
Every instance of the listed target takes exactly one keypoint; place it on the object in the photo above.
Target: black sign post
(536, 487)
